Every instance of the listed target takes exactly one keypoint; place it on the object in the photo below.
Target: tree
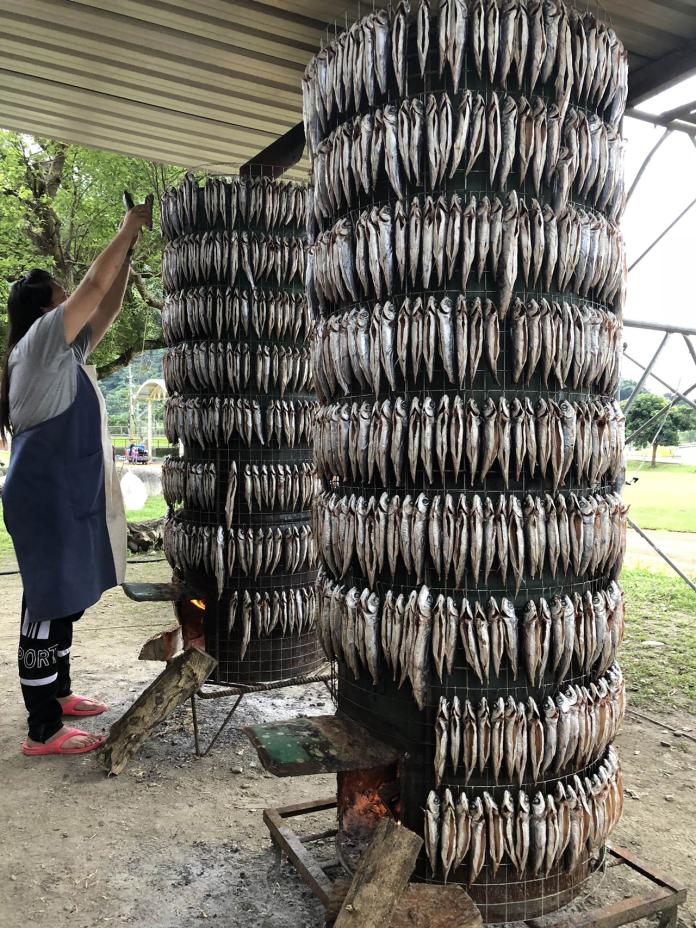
(59, 206)
(659, 422)
(627, 387)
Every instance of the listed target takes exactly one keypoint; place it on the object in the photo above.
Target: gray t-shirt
(43, 371)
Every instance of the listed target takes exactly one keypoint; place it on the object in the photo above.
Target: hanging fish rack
(240, 402)
(465, 261)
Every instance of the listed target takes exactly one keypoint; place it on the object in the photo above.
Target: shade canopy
(211, 83)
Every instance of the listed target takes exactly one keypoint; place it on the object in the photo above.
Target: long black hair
(29, 298)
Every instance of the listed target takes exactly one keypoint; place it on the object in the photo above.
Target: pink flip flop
(56, 746)
(74, 700)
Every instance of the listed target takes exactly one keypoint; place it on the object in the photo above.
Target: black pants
(44, 670)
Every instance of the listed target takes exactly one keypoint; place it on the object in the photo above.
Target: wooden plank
(319, 744)
(619, 913)
(305, 864)
(177, 682)
(306, 808)
(427, 906)
(648, 870)
(381, 877)
(163, 646)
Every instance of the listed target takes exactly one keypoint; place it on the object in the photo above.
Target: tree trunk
(654, 454)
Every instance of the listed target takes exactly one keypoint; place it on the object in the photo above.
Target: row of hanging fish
(191, 483)
(254, 551)
(283, 486)
(289, 610)
(214, 312)
(551, 832)
(434, 243)
(291, 487)
(544, 44)
(222, 366)
(423, 143)
(193, 260)
(369, 441)
(226, 202)
(356, 351)
(404, 632)
(511, 741)
(462, 539)
(212, 421)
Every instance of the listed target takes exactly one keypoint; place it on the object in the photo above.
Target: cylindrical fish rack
(468, 275)
(240, 400)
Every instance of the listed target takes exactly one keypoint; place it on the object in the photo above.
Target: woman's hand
(137, 218)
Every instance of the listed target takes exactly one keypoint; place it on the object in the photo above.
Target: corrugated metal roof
(213, 82)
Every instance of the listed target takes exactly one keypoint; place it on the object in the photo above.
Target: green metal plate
(320, 744)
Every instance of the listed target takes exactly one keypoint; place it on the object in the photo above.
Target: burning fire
(198, 603)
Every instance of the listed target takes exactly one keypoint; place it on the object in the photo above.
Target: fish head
(538, 806)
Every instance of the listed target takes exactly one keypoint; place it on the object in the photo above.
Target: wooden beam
(279, 155)
(308, 868)
(177, 682)
(661, 74)
(381, 877)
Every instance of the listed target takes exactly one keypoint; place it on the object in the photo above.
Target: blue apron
(54, 505)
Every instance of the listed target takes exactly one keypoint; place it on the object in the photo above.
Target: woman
(61, 500)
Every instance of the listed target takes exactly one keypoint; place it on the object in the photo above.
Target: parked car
(136, 454)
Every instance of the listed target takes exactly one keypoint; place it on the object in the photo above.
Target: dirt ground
(175, 841)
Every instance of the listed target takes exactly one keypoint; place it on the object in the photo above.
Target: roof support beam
(648, 158)
(280, 155)
(644, 376)
(661, 74)
(677, 394)
(657, 120)
(663, 233)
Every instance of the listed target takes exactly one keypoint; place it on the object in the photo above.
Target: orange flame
(198, 603)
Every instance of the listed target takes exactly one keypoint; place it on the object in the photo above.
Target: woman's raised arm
(80, 306)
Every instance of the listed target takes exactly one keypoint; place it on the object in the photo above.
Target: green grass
(659, 608)
(154, 508)
(663, 497)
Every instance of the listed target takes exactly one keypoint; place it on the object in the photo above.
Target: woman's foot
(80, 706)
(65, 741)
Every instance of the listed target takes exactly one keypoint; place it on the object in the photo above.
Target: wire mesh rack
(356, 182)
(238, 372)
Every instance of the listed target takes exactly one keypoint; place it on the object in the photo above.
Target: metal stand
(240, 690)
(661, 899)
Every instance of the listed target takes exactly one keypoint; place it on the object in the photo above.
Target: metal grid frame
(276, 656)
(484, 385)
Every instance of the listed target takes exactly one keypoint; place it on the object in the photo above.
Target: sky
(661, 288)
